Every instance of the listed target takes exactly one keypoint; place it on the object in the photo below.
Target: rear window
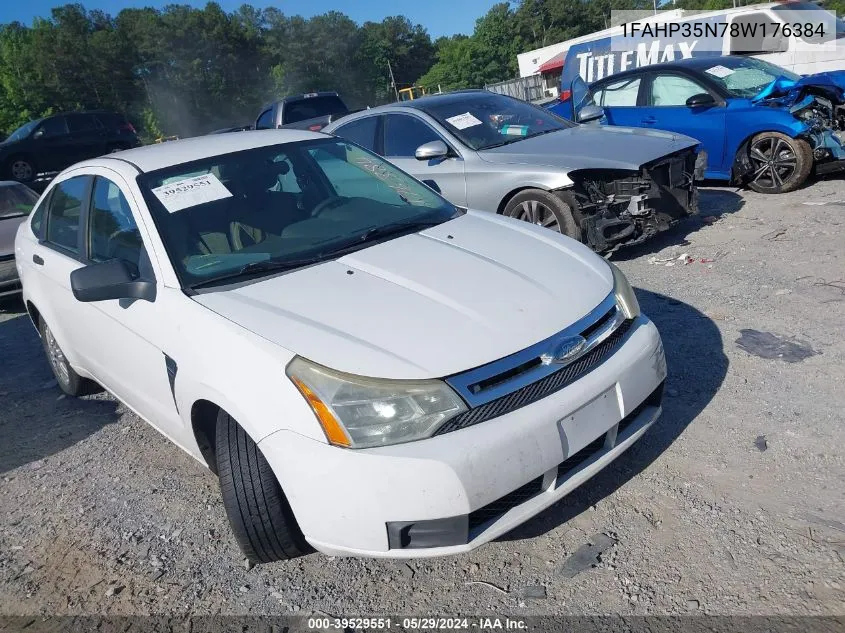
(110, 119)
(312, 107)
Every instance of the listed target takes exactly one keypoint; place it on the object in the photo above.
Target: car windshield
(810, 13)
(22, 132)
(483, 120)
(16, 200)
(281, 206)
(745, 77)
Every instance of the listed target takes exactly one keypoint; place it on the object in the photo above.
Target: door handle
(649, 119)
(38, 260)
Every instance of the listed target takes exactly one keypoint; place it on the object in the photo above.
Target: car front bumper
(450, 493)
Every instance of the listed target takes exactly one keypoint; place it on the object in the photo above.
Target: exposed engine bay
(621, 207)
(826, 120)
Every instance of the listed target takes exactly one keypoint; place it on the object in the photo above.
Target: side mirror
(590, 113)
(109, 280)
(432, 150)
(701, 100)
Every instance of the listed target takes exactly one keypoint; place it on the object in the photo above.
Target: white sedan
(369, 369)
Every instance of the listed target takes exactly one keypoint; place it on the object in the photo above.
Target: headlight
(625, 296)
(358, 412)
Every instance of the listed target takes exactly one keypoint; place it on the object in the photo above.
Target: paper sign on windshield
(191, 192)
(719, 71)
(463, 121)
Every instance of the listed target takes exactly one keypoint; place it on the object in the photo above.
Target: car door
(86, 137)
(666, 109)
(50, 145)
(619, 98)
(402, 135)
(56, 255)
(126, 354)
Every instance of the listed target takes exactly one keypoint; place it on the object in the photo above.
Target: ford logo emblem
(564, 350)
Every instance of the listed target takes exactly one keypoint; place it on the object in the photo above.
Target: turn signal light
(331, 427)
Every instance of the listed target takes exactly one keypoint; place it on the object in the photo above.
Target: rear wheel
(544, 209)
(69, 381)
(258, 511)
(778, 163)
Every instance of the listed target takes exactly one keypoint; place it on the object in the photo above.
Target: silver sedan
(605, 186)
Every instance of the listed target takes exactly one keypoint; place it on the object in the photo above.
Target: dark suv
(55, 142)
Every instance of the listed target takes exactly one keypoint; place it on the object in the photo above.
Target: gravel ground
(734, 503)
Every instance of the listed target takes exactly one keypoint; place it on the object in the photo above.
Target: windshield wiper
(263, 266)
(277, 265)
(396, 227)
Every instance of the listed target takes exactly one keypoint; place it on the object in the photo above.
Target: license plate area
(589, 422)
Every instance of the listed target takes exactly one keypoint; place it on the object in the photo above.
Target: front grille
(540, 389)
(501, 505)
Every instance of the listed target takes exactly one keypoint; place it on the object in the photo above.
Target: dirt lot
(733, 504)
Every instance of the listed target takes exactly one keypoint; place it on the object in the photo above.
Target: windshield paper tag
(191, 192)
(719, 71)
(463, 121)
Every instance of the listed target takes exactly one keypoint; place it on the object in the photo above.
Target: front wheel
(69, 381)
(258, 511)
(778, 163)
(544, 209)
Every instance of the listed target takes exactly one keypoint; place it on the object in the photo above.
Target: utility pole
(393, 81)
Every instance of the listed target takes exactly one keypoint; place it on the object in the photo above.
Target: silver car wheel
(773, 160)
(56, 357)
(537, 213)
(21, 170)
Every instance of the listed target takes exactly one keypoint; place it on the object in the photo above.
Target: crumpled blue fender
(832, 81)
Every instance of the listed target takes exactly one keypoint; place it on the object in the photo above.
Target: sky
(440, 17)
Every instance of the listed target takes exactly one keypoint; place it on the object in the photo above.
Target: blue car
(760, 124)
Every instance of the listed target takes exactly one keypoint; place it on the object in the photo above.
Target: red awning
(555, 63)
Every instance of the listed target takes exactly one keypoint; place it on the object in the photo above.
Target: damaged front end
(825, 119)
(818, 101)
(621, 207)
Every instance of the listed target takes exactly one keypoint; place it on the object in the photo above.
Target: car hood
(783, 91)
(591, 147)
(429, 304)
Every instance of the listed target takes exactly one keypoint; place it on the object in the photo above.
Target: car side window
(112, 231)
(673, 90)
(64, 213)
(265, 120)
(82, 123)
(360, 131)
(36, 220)
(618, 93)
(403, 134)
(55, 126)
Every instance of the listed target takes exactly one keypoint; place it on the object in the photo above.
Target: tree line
(186, 71)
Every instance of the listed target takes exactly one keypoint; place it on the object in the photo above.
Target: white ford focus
(368, 369)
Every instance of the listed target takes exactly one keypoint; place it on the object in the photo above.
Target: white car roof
(161, 155)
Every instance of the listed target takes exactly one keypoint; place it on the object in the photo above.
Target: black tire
(69, 381)
(258, 511)
(21, 168)
(779, 163)
(545, 209)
